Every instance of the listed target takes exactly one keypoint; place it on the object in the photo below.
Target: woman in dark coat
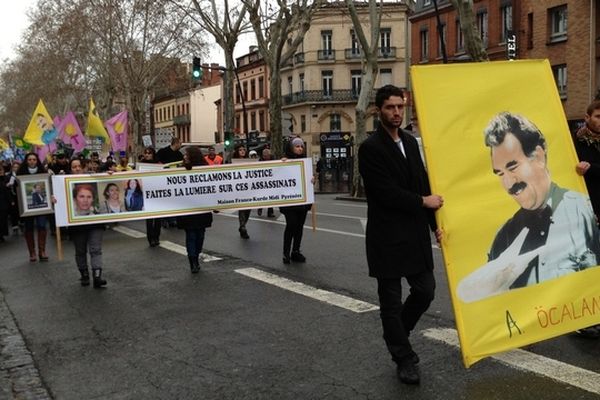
(152, 224)
(194, 225)
(31, 166)
(294, 215)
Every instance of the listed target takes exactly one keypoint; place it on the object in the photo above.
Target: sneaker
(244, 233)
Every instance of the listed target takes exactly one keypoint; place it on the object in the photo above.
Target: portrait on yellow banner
(521, 243)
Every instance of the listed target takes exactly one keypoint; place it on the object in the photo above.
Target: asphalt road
(158, 332)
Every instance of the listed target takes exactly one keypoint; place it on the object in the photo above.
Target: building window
(326, 42)
(238, 123)
(261, 121)
(385, 44)
(441, 41)
(245, 90)
(261, 87)
(327, 79)
(505, 21)
(253, 120)
(460, 40)
(290, 86)
(558, 23)
(385, 76)
(355, 46)
(253, 89)
(424, 45)
(356, 82)
(303, 123)
(335, 122)
(426, 2)
(301, 83)
(482, 26)
(560, 77)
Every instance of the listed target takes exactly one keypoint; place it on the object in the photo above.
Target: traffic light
(196, 69)
(228, 142)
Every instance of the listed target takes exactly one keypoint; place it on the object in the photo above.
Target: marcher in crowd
(212, 158)
(31, 166)
(266, 156)
(152, 224)
(587, 145)
(240, 152)
(123, 164)
(170, 153)
(194, 225)
(295, 216)
(11, 183)
(4, 203)
(86, 238)
(400, 217)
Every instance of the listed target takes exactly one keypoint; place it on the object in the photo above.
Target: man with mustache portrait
(554, 233)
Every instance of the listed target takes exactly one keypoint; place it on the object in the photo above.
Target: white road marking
(363, 222)
(346, 204)
(179, 249)
(338, 215)
(129, 232)
(334, 299)
(530, 362)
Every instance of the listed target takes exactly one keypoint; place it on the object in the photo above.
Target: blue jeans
(194, 239)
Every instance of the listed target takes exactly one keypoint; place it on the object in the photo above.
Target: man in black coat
(400, 215)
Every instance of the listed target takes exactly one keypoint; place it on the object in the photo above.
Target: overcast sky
(13, 21)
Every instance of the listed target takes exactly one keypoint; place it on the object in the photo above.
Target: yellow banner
(41, 130)
(520, 241)
(94, 126)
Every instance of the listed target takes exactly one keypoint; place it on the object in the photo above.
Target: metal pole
(440, 32)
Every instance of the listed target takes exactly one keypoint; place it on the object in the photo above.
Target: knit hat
(297, 141)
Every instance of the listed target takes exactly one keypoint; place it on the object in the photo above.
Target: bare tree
(279, 28)
(370, 51)
(226, 25)
(473, 43)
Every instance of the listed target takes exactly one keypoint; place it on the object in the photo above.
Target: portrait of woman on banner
(134, 198)
(85, 198)
(112, 202)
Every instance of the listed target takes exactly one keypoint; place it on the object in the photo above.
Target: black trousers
(399, 319)
(294, 226)
(153, 229)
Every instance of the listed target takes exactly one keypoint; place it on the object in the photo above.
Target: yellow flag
(41, 130)
(520, 242)
(3, 144)
(95, 127)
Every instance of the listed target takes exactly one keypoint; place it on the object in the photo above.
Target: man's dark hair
(175, 140)
(524, 130)
(385, 92)
(594, 105)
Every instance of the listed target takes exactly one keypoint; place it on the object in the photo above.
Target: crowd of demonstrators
(194, 225)
(86, 238)
(240, 152)
(295, 216)
(32, 166)
(265, 155)
(587, 145)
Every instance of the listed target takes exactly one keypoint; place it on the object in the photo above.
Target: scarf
(589, 137)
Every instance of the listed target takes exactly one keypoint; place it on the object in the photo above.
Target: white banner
(98, 198)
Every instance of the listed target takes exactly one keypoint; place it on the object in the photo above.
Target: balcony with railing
(298, 58)
(326, 55)
(182, 120)
(387, 53)
(318, 96)
(352, 54)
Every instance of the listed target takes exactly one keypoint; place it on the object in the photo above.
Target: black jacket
(398, 226)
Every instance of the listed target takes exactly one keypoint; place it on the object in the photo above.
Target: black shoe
(244, 233)
(154, 243)
(85, 277)
(298, 257)
(98, 281)
(286, 259)
(408, 372)
(592, 332)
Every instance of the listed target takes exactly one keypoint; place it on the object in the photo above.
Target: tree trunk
(275, 113)
(358, 189)
(473, 43)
